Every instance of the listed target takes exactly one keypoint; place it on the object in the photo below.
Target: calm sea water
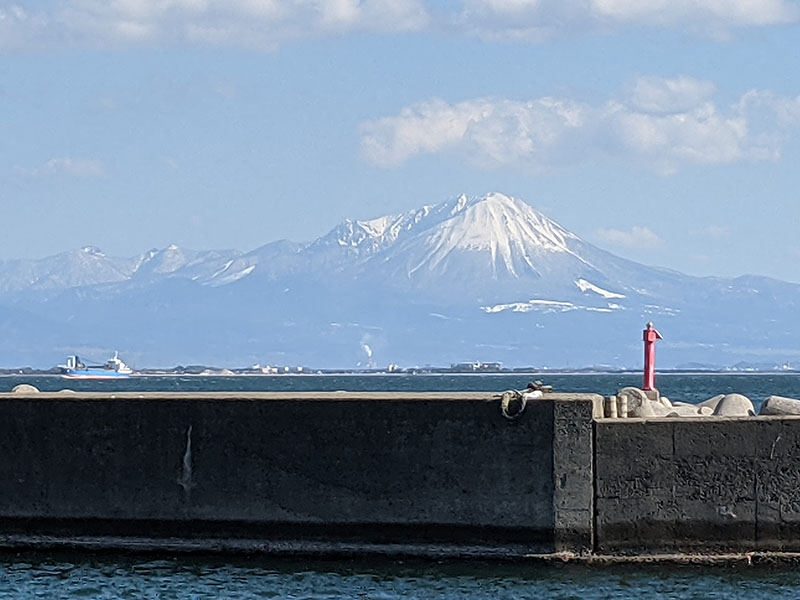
(115, 577)
(686, 388)
(123, 576)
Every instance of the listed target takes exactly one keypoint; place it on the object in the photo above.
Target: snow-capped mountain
(213, 267)
(487, 278)
(365, 238)
(494, 239)
(83, 267)
(506, 235)
(505, 230)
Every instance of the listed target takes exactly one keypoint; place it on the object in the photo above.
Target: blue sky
(666, 132)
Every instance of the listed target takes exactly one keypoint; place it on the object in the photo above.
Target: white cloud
(72, 167)
(636, 238)
(663, 96)
(707, 13)
(267, 24)
(489, 131)
(539, 20)
(663, 125)
(701, 135)
(262, 24)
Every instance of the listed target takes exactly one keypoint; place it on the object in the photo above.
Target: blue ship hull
(92, 374)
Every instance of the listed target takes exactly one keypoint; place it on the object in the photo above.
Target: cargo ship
(113, 368)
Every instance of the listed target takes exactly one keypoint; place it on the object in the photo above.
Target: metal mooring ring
(512, 403)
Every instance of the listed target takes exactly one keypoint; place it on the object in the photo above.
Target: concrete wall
(698, 485)
(441, 474)
(298, 471)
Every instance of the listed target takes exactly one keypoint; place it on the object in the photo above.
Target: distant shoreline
(416, 373)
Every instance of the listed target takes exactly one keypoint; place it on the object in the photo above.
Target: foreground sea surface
(87, 575)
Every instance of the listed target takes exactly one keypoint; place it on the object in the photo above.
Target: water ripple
(112, 577)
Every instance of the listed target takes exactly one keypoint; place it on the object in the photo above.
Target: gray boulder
(780, 405)
(712, 402)
(639, 405)
(734, 405)
(683, 409)
(25, 388)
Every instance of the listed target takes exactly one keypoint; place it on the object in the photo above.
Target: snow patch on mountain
(547, 306)
(228, 275)
(584, 286)
(653, 309)
(531, 305)
(461, 203)
(166, 261)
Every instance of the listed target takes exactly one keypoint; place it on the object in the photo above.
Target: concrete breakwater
(428, 474)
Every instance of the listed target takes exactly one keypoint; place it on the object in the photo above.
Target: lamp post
(650, 337)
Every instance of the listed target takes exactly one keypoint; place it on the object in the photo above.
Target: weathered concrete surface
(302, 471)
(687, 485)
(573, 457)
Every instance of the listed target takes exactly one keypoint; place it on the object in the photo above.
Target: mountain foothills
(472, 279)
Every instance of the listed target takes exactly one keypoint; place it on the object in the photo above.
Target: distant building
(476, 366)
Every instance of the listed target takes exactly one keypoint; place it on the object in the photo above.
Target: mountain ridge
(485, 278)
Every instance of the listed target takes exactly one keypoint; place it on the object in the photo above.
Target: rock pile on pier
(636, 403)
(631, 402)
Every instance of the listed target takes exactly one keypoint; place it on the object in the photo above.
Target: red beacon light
(650, 337)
